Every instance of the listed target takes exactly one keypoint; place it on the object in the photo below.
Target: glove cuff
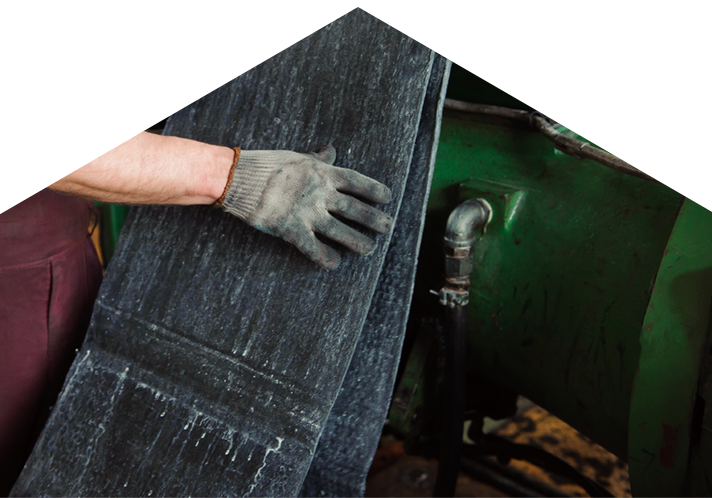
(253, 170)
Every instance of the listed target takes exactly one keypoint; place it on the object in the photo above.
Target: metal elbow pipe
(463, 229)
(465, 222)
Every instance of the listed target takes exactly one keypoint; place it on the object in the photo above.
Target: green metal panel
(673, 338)
(113, 217)
(698, 480)
(563, 273)
(408, 399)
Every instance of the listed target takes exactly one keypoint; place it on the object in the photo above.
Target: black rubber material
(216, 352)
(354, 426)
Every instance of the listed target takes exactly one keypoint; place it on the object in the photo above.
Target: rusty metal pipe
(541, 123)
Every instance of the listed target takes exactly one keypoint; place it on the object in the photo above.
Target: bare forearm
(287, 194)
(153, 169)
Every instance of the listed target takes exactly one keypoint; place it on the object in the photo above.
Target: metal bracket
(453, 297)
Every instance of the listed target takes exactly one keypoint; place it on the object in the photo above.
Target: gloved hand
(293, 195)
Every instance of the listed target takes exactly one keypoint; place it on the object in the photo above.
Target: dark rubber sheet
(216, 352)
(354, 426)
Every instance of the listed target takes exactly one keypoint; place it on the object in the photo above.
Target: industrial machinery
(589, 293)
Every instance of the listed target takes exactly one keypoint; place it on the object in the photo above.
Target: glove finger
(323, 255)
(326, 155)
(351, 182)
(345, 235)
(355, 210)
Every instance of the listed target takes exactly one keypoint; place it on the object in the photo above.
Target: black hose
(513, 474)
(502, 447)
(454, 401)
(569, 145)
(498, 480)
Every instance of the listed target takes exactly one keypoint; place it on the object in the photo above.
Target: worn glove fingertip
(368, 249)
(386, 224)
(328, 257)
(331, 263)
(385, 195)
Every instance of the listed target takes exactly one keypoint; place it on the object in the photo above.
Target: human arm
(153, 169)
(287, 194)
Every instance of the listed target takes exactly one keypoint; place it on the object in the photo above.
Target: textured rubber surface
(354, 426)
(216, 351)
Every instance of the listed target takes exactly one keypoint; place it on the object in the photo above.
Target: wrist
(215, 179)
(252, 171)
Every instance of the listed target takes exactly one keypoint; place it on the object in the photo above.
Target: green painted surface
(408, 397)
(698, 480)
(563, 273)
(113, 217)
(673, 338)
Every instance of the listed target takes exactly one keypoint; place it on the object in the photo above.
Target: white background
(80, 78)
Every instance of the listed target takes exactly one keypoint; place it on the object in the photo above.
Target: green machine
(112, 218)
(589, 294)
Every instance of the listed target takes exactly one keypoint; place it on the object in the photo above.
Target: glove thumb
(326, 155)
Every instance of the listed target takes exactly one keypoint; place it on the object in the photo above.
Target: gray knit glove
(293, 195)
